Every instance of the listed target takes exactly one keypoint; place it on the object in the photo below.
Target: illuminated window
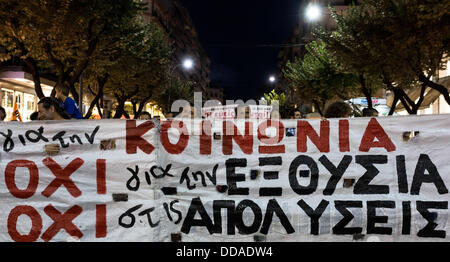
(9, 99)
(30, 105)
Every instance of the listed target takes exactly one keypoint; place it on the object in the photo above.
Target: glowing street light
(313, 12)
(272, 79)
(188, 63)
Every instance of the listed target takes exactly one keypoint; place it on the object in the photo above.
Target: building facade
(215, 93)
(433, 102)
(16, 84)
(17, 87)
(302, 35)
(175, 20)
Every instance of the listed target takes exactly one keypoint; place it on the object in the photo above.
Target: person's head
(2, 113)
(34, 116)
(370, 112)
(297, 114)
(62, 91)
(145, 116)
(50, 109)
(338, 109)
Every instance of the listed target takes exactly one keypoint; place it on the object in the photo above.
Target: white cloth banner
(361, 179)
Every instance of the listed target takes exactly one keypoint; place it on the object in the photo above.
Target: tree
(179, 90)
(140, 72)
(317, 78)
(285, 108)
(65, 35)
(13, 38)
(400, 43)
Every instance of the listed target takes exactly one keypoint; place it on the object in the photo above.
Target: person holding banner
(370, 112)
(145, 116)
(50, 109)
(297, 114)
(34, 116)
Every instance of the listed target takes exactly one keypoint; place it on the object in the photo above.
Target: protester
(2, 113)
(370, 112)
(338, 109)
(297, 114)
(49, 108)
(34, 116)
(145, 116)
(68, 104)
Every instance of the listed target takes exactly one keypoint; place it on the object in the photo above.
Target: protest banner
(230, 112)
(231, 180)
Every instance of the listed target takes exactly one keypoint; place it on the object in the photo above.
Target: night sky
(241, 38)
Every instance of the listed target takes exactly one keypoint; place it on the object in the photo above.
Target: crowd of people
(63, 107)
(54, 108)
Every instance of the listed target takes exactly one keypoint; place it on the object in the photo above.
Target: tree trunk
(366, 91)
(101, 83)
(134, 103)
(33, 67)
(316, 103)
(74, 92)
(120, 108)
(142, 104)
(394, 104)
(401, 96)
(421, 98)
(92, 105)
(99, 110)
(435, 86)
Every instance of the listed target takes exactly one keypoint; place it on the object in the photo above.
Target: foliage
(66, 35)
(179, 90)
(140, 72)
(318, 77)
(400, 43)
(284, 106)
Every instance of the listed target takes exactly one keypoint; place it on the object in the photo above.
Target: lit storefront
(17, 86)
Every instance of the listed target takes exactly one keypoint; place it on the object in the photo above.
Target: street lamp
(313, 12)
(272, 79)
(187, 64)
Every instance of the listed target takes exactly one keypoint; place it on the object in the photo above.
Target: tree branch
(440, 88)
(365, 91)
